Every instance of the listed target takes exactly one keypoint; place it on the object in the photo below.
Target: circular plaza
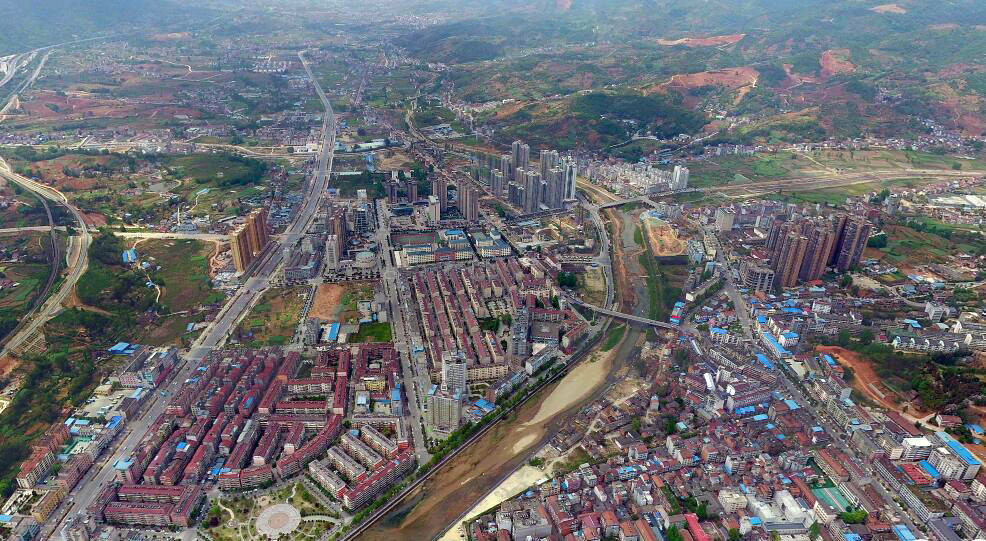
(278, 520)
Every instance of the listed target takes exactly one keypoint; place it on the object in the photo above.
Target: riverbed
(487, 471)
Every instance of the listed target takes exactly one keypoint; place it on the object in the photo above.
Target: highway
(215, 335)
(77, 262)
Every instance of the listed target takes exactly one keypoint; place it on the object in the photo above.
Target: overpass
(646, 199)
(627, 317)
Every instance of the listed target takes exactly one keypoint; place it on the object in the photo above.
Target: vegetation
(613, 337)
(568, 279)
(373, 332)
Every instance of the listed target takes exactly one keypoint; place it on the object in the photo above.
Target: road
(38, 228)
(78, 262)
(603, 259)
(169, 236)
(256, 283)
(15, 96)
(794, 391)
(402, 316)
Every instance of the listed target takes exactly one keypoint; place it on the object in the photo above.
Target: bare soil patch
(712, 41)
(730, 78)
(327, 301)
(867, 382)
(662, 239)
(889, 8)
(836, 62)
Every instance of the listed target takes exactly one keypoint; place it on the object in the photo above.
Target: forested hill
(29, 24)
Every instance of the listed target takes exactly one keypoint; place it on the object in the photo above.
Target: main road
(256, 281)
(415, 375)
(77, 264)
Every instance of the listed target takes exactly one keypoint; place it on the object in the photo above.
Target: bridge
(646, 199)
(627, 317)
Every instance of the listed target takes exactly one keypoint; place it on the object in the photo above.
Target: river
(485, 466)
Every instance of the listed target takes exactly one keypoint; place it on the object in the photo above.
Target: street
(217, 332)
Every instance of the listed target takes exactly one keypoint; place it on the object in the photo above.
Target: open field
(905, 245)
(594, 285)
(728, 170)
(337, 302)
(864, 380)
(373, 332)
(185, 285)
(713, 41)
(662, 237)
(118, 187)
(275, 317)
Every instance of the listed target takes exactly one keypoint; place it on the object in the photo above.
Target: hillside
(29, 25)
(597, 119)
(848, 67)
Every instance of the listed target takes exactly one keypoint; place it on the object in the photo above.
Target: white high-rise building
(454, 371)
(434, 209)
(331, 251)
(569, 170)
(679, 179)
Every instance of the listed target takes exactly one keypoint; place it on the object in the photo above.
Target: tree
(846, 281)
(814, 531)
(843, 338)
(567, 279)
(734, 534)
(877, 241)
(866, 337)
(853, 516)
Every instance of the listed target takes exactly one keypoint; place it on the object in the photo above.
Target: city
(459, 271)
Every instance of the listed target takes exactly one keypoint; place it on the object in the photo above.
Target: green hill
(28, 25)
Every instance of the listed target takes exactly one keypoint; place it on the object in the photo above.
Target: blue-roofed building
(903, 533)
(774, 347)
(129, 256)
(791, 404)
(122, 348)
(929, 469)
(976, 429)
(760, 417)
(765, 361)
(954, 460)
